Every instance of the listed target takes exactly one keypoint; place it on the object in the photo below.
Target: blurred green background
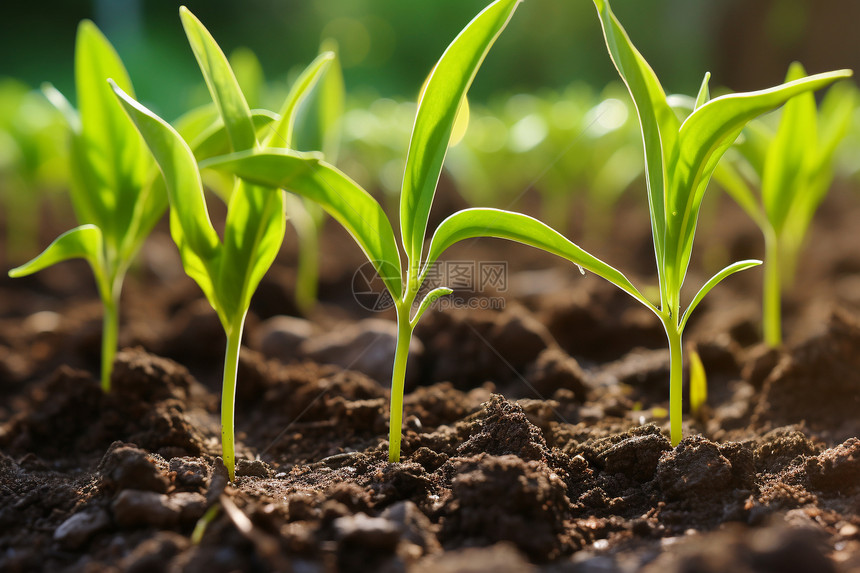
(388, 46)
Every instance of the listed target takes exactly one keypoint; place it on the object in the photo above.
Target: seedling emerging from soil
(355, 209)
(229, 270)
(679, 161)
(794, 169)
(111, 187)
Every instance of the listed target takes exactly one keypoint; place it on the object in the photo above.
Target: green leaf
(253, 234)
(790, 154)
(59, 101)
(249, 74)
(834, 119)
(656, 118)
(110, 162)
(429, 299)
(281, 134)
(730, 178)
(704, 92)
(306, 175)
(221, 82)
(215, 139)
(327, 113)
(434, 120)
(193, 123)
(84, 242)
(182, 179)
(473, 223)
(714, 281)
(705, 135)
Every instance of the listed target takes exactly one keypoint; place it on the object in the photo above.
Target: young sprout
(691, 151)
(680, 158)
(317, 127)
(111, 186)
(228, 270)
(698, 384)
(355, 209)
(793, 169)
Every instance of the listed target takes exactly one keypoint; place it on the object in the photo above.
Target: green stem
(307, 271)
(110, 326)
(228, 397)
(676, 381)
(398, 378)
(772, 295)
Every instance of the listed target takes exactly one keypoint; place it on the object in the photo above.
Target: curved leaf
(434, 120)
(111, 162)
(656, 118)
(705, 135)
(221, 82)
(731, 180)
(429, 299)
(473, 223)
(714, 281)
(306, 175)
(181, 177)
(59, 101)
(84, 242)
(215, 140)
(790, 155)
(281, 133)
(253, 234)
(196, 121)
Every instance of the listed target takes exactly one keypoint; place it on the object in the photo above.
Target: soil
(535, 436)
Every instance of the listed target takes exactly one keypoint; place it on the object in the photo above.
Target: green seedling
(228, 270)
(698, 384)
(111, 185)
(680, 158)
(793, 169)
(309, 176)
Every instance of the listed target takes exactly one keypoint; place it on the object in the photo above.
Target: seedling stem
(398, 378)
(228, 396)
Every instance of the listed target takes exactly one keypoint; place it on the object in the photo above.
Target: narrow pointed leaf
(193, 123)
(281, 133)
(434, 120)
(473, 223)
(730, 178)
(704, 92)
(704, 137)
(429, 299)
(306, 175)
(790, 154)
(215, 140)
(181, 176)
(657, 119)
(112, 164)
(221, 82)
(714, 281)
(253, 234)
(59, 101)
(84, 242)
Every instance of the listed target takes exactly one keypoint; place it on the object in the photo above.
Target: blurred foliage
(33, 160)
(387, 44)
(570, 143)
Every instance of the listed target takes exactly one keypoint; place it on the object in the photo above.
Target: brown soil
(534, 437)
